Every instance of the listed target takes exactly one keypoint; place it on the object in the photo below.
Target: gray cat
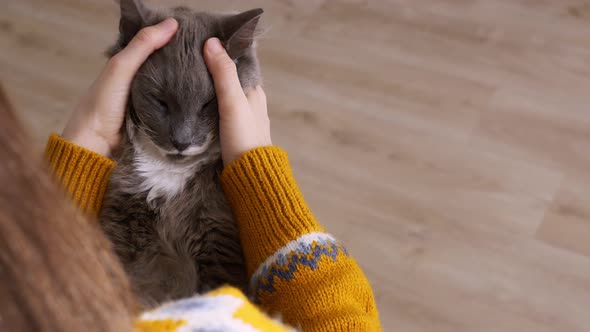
(164, 210)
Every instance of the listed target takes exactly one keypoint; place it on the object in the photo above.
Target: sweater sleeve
(296, 268)
(84, 173)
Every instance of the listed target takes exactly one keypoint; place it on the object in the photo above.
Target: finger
(257, 99)
(225, 76)
(146, 41)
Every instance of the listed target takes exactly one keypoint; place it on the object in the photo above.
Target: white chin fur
(164, 177)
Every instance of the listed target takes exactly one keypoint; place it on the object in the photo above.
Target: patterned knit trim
(305, 251)
(199, 313)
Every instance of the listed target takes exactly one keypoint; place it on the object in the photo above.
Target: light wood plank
(445, 141)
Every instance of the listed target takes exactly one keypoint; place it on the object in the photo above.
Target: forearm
(296, 268)
(83, 173)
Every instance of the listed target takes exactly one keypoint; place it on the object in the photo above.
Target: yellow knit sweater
(297, 271)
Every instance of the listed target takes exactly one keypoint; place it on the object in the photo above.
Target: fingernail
(169, 24)
(214, 46)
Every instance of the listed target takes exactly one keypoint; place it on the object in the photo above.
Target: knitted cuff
(268, 206)
(84, 173)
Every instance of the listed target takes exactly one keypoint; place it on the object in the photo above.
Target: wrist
(89, 141)
(230, 157)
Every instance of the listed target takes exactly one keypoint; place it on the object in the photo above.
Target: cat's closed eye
(210, 103)
(209, 111)
(163, 105)
(210, 107)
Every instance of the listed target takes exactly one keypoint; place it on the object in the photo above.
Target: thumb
(230, 96)
(126, 63)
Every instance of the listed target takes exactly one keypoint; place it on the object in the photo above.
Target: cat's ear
(133, 17)
(238, 32)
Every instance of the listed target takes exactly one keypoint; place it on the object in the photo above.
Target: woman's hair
(57, 271)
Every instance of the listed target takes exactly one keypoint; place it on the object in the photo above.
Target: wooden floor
(446, 141)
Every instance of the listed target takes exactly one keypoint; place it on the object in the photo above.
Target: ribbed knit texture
(263, 194)
(297, 270)
(84, 173)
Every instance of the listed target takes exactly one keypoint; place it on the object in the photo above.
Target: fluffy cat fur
(164, 210)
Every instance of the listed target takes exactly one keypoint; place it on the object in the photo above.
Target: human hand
(243, 117)
(96, 122)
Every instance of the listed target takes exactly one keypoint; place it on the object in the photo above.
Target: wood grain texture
(445, 141)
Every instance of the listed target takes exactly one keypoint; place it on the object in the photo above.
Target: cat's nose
(180, 146)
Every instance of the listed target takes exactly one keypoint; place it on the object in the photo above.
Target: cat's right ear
(134, 15)
(239, 31)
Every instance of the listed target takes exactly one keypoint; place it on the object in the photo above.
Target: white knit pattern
(293, 246)
(203, 314)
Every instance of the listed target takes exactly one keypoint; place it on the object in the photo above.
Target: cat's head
(172, 108)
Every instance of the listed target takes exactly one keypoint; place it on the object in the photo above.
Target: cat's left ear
(133, 17)
(238, 32)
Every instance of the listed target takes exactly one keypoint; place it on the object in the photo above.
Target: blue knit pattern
(285, 266)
